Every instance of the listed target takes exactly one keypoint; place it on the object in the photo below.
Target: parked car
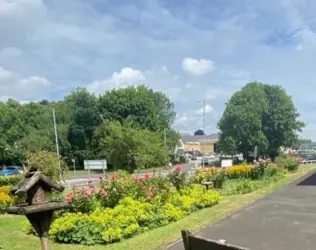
(11, 170)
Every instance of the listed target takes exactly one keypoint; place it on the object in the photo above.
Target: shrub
(257, 172)
(5, 189)
(178, 177)
(239, 171)
(205, 174)
(290, 163)
(5, 202)
(130, 217)
(272, 169)
(9, 180)
(45, 161)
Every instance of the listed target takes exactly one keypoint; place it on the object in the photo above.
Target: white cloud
(127, 76)
(197, 67)
(208, 109)
(22, 89)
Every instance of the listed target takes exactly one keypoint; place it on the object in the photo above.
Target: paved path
(284, 220)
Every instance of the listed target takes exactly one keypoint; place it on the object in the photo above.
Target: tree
(128, 146)
(151, 110)
(280, 122)
(84, 120)
(260, 115)
(199, 132)
(227, 145)
(299, 142)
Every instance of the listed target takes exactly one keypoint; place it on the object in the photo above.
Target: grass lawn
(13, 238)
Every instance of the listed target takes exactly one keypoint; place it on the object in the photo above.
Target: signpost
(227, 163)
(95, 165)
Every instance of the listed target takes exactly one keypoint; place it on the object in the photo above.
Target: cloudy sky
(189, 49)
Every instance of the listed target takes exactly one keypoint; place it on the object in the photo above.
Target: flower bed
(122, 206)
(5, 198)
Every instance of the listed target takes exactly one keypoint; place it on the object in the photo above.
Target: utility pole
(57, 146)
(203, 131)
(165, 142)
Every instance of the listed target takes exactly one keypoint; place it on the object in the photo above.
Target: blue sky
(189, 49)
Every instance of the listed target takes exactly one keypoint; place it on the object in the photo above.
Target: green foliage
(178, 177)
(258, 172)
(130, 147)
(129, 217)
(28, 128)
(47, 162)
(9, 180)
(259, 115)
(290, 163)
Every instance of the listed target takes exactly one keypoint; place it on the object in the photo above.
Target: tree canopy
(259, 115)
(80, 117)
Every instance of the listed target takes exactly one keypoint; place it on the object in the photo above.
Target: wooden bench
(197, 243)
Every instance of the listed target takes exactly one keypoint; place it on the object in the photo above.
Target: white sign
(227, 163)
(95, 164)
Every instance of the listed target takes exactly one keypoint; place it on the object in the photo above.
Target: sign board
(95, 164)
(227, 163)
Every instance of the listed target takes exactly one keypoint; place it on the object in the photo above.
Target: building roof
(187, 138)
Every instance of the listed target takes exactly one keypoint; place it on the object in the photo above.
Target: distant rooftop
(188, 138)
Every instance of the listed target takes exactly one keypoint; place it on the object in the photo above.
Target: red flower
(146, 176)
(114, 176)
(136, 180)
(100, 177)
(104, 193)
(89, 182)
(179, 167)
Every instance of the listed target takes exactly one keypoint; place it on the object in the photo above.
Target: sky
(189, 49)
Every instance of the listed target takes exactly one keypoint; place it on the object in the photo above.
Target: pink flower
(100, 177)
(89, 182)
(104, 193)
(179, 168)
(146, 176)
(136, 180)
(149, 196)
(114, 176)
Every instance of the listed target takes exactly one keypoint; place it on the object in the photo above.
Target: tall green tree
(128, 146)
(84, 120)
(152, 110)
(260, 115)
(280, 122)
(242, 119)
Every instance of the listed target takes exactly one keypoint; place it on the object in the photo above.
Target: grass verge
(13, 238)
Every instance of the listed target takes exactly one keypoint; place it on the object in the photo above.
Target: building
(203, 144)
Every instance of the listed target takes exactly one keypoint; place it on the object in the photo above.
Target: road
(82, 180)
(283, 220)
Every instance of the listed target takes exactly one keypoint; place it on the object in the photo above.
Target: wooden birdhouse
(36, 186)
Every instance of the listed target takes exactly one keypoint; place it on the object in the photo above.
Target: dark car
(8, 171)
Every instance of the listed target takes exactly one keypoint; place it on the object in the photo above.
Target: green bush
(257, 172)
(130, 217)
(9, 180)
(178, 177)
(290, 163)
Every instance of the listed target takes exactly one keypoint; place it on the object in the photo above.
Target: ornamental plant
(239, 171)
(178, 177)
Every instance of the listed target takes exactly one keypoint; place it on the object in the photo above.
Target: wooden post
(44, 243)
